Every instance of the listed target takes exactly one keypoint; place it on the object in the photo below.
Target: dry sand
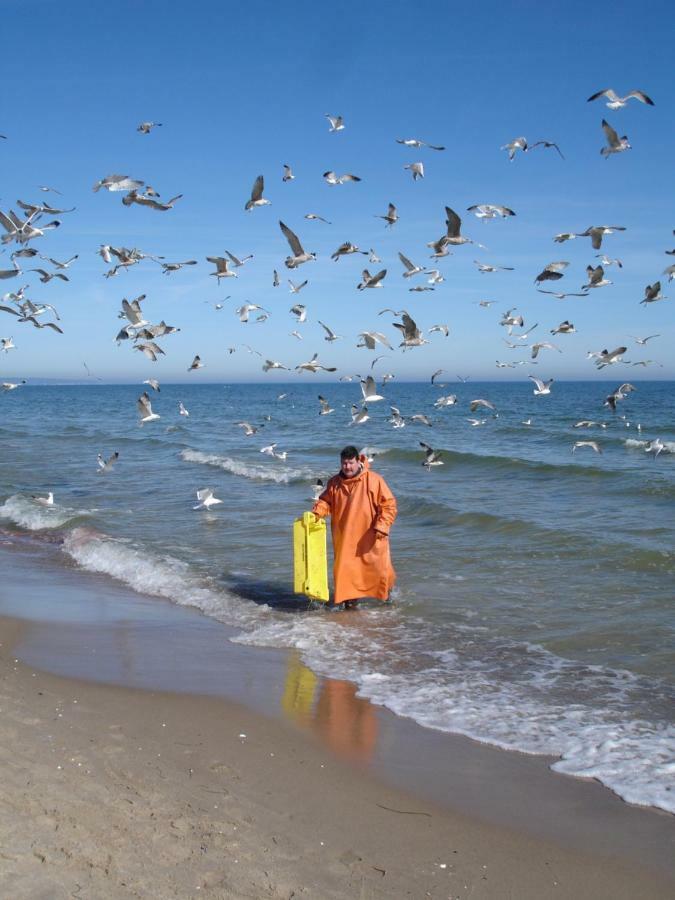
(114, 792)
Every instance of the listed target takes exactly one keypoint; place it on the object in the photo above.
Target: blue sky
(240, 91)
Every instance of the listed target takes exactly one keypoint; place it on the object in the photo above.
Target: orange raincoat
(359, 507)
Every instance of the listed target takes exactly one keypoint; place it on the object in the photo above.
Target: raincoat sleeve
(386, 508)
(323, 505)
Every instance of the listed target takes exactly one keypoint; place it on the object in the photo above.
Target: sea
(534, 609)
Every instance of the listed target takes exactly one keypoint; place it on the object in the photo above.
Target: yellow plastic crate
(310, 562)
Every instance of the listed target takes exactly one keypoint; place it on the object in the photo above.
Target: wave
(150, 573)
(256, 472)
(27, 514)
(634, 444)
(481, 698)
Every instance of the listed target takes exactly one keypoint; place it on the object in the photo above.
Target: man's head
(350, 465)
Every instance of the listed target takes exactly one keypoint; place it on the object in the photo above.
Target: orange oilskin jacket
(359, 507)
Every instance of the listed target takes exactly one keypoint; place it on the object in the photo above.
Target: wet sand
(306, 790)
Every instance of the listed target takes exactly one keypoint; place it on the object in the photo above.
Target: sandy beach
(110, 791)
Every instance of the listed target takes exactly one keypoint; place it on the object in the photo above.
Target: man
(362, 510)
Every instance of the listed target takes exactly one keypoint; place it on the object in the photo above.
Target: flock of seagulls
(22, 229)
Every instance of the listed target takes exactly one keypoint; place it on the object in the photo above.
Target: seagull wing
(292, 239)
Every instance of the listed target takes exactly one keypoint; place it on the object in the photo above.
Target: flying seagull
(414, 142)
(616, 102)
(206, 499)
(615, 144)
(257, 198)
(299, 255)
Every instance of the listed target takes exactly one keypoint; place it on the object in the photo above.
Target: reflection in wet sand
(331, 709)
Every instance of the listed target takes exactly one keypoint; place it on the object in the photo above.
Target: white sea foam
(634, 444)
(32, 516)
(256, 472)
(632, 758)
(159, 576)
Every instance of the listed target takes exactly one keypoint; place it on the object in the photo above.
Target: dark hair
(349, 452)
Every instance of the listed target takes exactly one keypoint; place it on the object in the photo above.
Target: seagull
(61, 265)
(345, 249)
(288, 173)
(105, 465)
(448, 400)
(271, 364)
(542, 387)
(149, 200)
(436, 277)
(369, 390)
(314, 366)
(326, 408)
(336, 123)
(317, 489)
(195, 364)
(519, 143)
(606, 358)
(597, 232)
(476, 404)
(359, 415)
(371, 281)
(243, 311)
(330, 334)
(296, 288)
(7, 344)
(117, 183)
(396, 419)
(619, 393)
(410, 267)
(236, 261)
(543, 345)
(299, 311)
(592, 444)
(412, 336)
(391, 217)
(154, 384)
(432, 457)
(269, 450)
(588, 423)
(653, 293)
(616, 102)
(565, 327)
(313, 216)
(596, 278)
(373, 257)
(606, 261)
(44, 501)
(615, 144)
(484, 267)
(257, 198)
(552, 272)
(442, 328)
(221, 265)
(643, 341)
(145, 409)
(422, 419)
(182, 410)
(416, 170)
(206, 499)
(150, 349)
(146, 127)
(670, 272)
(331, 177)
(370, 338)
(655, 447)
(561, 296)
(414, 142)
(299, 255)
(248, 428)
(490, 211)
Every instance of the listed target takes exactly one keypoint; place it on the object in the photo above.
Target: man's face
(350, 467)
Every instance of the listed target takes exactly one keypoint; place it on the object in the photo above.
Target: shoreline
(125, 650)
(122, 792)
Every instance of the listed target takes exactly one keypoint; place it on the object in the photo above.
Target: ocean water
(536, 586)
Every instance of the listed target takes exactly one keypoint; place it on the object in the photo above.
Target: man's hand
(380, 535)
